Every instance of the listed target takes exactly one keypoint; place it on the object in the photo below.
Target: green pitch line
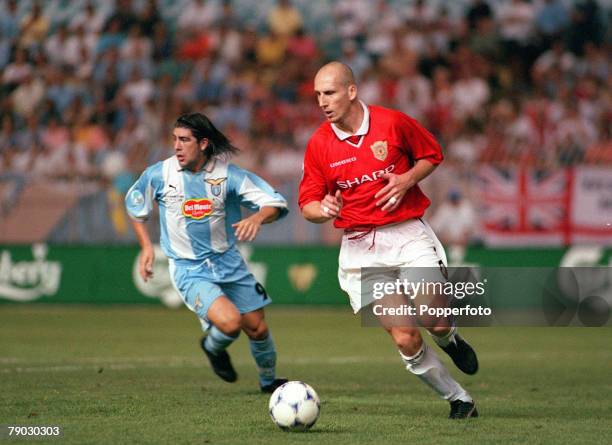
(137, 375)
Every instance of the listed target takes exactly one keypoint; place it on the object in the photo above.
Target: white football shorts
(407, 245)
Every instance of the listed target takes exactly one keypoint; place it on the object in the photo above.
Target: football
(294, 406)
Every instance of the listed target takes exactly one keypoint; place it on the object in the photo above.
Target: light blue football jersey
(197, 210)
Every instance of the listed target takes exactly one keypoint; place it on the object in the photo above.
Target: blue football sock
(217, 341)
(264, 353)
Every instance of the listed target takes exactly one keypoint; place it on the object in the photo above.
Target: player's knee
(225, 316)
(229, 325)
(407, 341)
(257, 332)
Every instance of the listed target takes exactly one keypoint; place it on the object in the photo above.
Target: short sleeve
(139, 198)
(420, 143)
(313, 186)
(254, 192)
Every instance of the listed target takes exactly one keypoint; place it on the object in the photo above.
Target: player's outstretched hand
(331, 205)
(391, 194)
(248, 228)
(145, 263)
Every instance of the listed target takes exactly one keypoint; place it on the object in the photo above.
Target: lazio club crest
(379, 148)
(215, 185)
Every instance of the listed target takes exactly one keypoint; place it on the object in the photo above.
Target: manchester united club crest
(379, 148)
(215, 185)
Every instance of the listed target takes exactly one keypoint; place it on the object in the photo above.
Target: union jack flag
(524, 205)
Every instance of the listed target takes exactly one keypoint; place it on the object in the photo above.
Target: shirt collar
(362, 130)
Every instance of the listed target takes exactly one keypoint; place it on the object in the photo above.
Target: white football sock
(426, 365)
(446, 339)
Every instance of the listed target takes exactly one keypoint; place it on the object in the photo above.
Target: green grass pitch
(136, 375)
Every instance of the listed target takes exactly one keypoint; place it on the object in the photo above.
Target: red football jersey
(392, 143)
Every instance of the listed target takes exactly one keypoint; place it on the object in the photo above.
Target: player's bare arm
(147, 254)
(322, 211)
(248, 228)
(391, 194)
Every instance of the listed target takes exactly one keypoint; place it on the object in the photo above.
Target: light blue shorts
(198, 291)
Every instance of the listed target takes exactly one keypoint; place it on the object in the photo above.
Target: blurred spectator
(586, 26)
(516, 20)
(138, 89)
(352, 17)
(440, 114)
(59, 90)
(227, 43)
(399, 56)
(18, 70)
(194, 45)
(284, 19)
(9, 21)
(467, 145)
(90, 19)
(369, 89)
(152, 123)
(55, 136)
(7, 135)
(486, 40)
(443, 30)
(281, 161)
(574, 135)
(56, 46)
(115, 172)
(455, 223)
(34, 28)
(415, 39)
(130, 134)
(302, 46)
(551, 20)
(235, 112)
(413, 92)
(163, 47)
(357, 60)
(594, 62)
(149, 17)
(478, 10)
(228, 15)
(28, 95)
(90, 135)
(9, 31)
(271, 49)
(470, 93)
(556, 59)
(382, 23)
(81, 48)
(197, 15)
(111, 38)
(136, 46)
(123, 17)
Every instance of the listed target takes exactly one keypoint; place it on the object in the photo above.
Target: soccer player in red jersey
(361, 169)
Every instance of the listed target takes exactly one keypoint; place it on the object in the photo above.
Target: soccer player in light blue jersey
(199, 194)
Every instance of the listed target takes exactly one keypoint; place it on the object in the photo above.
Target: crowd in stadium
(91, 96)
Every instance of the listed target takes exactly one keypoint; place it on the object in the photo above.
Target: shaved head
(336, 93)
(339, 71)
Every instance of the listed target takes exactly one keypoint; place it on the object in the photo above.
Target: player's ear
(352, 91)
(203, 144)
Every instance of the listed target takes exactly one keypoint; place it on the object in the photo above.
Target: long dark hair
(201, 127)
